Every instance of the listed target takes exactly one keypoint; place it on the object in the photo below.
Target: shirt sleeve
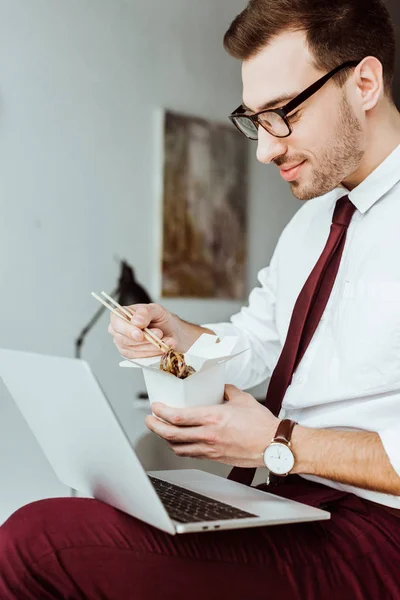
(390, 439)
(255, 326)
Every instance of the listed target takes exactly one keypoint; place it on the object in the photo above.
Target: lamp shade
(130, 291)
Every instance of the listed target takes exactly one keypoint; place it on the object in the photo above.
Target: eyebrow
(284, 99)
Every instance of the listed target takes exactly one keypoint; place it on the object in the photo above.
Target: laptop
(86, 445)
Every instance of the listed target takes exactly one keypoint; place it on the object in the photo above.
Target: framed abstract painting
(204, 209)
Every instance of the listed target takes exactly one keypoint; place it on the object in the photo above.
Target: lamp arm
(81, 338)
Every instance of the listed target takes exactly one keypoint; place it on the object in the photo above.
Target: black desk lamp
(128, 291)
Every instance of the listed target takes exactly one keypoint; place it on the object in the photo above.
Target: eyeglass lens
(271, 121)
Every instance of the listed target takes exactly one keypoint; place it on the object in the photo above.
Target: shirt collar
(379, 183)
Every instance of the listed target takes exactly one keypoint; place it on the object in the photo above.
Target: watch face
(279, 459)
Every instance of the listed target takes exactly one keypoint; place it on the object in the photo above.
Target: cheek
(313, 133)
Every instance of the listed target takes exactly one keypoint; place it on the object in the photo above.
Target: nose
(269, 147)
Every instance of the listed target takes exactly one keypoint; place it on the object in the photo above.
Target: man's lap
(82, 548)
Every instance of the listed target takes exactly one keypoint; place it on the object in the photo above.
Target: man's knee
(23, 531)
(47, 526)
(53, 544)
(24, 540)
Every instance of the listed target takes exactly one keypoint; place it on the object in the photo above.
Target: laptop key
(186, 506)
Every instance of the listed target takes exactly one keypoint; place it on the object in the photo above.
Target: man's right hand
(129, 338)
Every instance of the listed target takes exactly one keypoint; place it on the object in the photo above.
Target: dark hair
(337, 31)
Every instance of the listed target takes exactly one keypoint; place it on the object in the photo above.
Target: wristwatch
(278, 456)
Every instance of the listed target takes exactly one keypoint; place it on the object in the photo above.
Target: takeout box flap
(206, 352)
(200, 364)
(210, 362)
(211, 346)
(140, 363)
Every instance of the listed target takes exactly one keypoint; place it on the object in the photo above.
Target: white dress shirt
(349, 377)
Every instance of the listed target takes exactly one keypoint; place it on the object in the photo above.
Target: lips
(292, 173)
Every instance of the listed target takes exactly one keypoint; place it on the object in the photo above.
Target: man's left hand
(235, 433)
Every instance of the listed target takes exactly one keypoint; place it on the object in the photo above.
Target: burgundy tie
(307, 313)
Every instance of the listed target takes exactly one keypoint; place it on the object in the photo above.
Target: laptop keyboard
(186, 506)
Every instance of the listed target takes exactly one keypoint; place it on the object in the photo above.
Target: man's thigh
(80, 548)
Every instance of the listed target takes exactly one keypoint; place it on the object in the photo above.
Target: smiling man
(326, 137)
(324, 327)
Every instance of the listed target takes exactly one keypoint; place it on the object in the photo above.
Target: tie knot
(344, 210)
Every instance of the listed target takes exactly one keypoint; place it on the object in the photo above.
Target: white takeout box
(208, 356)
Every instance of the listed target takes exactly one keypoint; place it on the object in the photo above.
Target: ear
(369, 81)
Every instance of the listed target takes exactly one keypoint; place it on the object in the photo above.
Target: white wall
(81, 83)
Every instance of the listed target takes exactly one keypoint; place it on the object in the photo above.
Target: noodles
(174, 362)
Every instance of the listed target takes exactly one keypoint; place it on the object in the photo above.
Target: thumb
(232, 393)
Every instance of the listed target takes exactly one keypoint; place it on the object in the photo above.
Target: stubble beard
(338, 161)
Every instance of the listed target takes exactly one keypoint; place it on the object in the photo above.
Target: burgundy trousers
(77, 548)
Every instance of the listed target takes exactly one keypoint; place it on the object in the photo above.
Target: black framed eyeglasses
(276, 120)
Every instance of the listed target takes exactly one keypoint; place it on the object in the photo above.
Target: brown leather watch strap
(284, 432)
(283, 435)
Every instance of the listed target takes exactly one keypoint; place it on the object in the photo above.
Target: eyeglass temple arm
(315, 87)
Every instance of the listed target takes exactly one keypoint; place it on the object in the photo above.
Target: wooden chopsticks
(123, 313)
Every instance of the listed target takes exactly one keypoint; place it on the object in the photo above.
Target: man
(325, 323)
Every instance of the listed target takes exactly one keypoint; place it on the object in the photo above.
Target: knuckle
(138, 333)
(177, 419)
(214, 454)
(213, 418)
(170, 436)
(217, 417)
(211, 439)
(179, 452)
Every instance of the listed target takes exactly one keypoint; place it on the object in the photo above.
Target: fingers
(132, 330)
(144, 314)
(145, 351)
(122, 326)
(178, 435)
(130, 338)
(140, 319)
(186, 417)
(129, 348)
(137, 338)
(137, 335)
(141, 316)
(123, 344)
